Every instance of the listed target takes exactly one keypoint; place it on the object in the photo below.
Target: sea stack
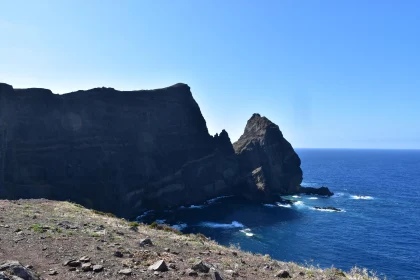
(267, 160)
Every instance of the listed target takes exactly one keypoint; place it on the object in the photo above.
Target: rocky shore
(44, 239)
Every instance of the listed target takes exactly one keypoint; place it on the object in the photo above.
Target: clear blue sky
(330, 73)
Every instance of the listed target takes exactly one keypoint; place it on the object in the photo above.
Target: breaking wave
(234, 224)
(247, 232)
(361, 197)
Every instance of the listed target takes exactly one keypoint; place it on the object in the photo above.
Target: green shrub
(133, 224)
(103, 213)
(38, 228)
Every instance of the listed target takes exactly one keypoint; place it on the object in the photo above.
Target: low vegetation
(55, 233)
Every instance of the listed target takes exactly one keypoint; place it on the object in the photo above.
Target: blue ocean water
(379, 229)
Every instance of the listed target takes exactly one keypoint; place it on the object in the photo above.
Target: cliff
(126, 151)
(267, 160)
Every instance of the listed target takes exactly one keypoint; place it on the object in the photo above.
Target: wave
(193, 207)
(338, 194)
(142, 216)
(247, 232)
(269, 205)
(284, 205)
(327, 210)
(234, 224)
(160, 221)
(179, 227)
(361, 197)
(196, 206)
(313, 198)
(295, 196)
(213, 200)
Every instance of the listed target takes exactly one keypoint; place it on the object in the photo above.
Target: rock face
(267, 160)
(324, 191)
(111, 150)
(127, 151)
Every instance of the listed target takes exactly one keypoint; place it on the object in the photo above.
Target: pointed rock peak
(261, 122)
(256, 130)
(178, 85)
(224, 133)
(222, 142)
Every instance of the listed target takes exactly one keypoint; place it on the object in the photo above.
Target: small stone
(231, 273)
(302, 273)
(215, 275)
(72, 263)
(86, 267)
(84, 259)
(146, 242)
(167, 250)
(98, 268)
(159, 266)
(6, 226)
(200, 266)
(118, 254)
(72, 269)
(191, 272)
(126, 271)
(52, 272)
(235, 254)
(282, 274)
(172, 266)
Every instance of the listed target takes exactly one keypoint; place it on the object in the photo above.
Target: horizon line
(336, 148)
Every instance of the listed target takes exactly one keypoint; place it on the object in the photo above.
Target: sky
(331, 74)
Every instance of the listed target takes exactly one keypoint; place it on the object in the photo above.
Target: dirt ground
(62, 240)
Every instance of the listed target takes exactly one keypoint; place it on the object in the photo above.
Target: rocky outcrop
(323, 191)
(267, 160)
(127, 151)
(111, 150)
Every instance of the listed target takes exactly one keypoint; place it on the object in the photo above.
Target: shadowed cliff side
(119, 151)
(128, 151)
(267, 160)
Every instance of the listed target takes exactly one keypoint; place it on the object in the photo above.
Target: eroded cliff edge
(124, 151)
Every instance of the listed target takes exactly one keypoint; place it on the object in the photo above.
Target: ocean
(378, 229)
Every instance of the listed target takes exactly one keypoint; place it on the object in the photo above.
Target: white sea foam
(179, 226)
(213, 200)
(361, 197)
(313, 198)
(234, 224)
(296, 196)
(192, 207)
(323, 210)
(247, 232)
(142, 216)
(269, 205)
(196, 206)
(299, 204)
(284, 205)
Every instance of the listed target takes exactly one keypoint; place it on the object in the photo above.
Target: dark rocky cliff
(124, 151)
(267, 160)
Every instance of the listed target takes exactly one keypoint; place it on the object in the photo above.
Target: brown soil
(45, 234)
